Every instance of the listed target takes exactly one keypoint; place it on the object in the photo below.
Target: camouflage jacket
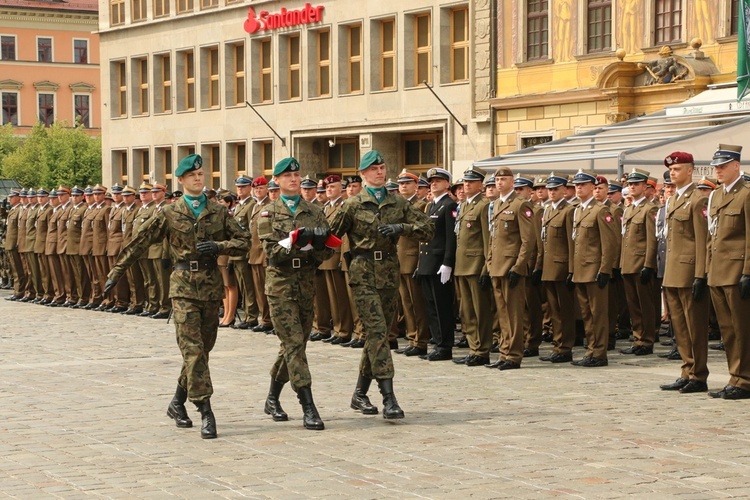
(360, 217)
(177, 226)
(275, 223)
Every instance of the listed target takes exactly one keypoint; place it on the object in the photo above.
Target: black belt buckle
(377, 255)
(296, 263)
(194, 266)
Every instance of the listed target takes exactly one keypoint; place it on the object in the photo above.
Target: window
(138, 10)
(354, 59)
(734, 17)
(263, 156)
(423, 151)
(8, 48)
(214, 164)
(186, 84)
(237, 158)
(266, 71)
(163, 164)
(46, 109)
(120, 164)
(81, 51)
(537, 29)
(599, 25)
(142, 164)
(82, 110)
(167, 164)
(116, 12)
(163, 77)
(207, 4)
(324, 63)
(140, 96)
(122, 88)
(294, 83)
(460, 44)
(423, 50)
(213, 77)
(44, 49)
(185, 6)
(344, 155)
(388, 54)
(10, 108)
(668, 21)
(234, 57)
(161, 8)
(534, 140)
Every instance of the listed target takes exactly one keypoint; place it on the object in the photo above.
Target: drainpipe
(493, 70)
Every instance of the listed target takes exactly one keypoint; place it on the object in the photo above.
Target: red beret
(332, 178)
(678, 157)
(600, 179)
(260, 181)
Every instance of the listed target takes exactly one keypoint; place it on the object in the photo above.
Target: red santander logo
(285, 19)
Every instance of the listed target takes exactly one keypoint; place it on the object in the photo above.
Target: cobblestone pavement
(84, 396)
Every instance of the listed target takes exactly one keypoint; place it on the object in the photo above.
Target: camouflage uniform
(289, 290)
(374, 268)
(196, 294)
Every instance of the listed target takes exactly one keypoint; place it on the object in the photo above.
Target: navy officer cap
(583, 177)
(76, 191)
(422, 182)
(554, 181)
(308, 183)
(726, 153)
(474, 174)
(243, 180)
(520, 182)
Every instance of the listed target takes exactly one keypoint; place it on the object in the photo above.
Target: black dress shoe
(462, 360)
(340, 340)
(349, 343)
(145, 314)
(694, 386)
(439, 356)
(623, 334)
(717, 347)
(670, 354)
(403, 350)
(319, 336)
(547, 337)
(463, 343)
(132, 312)
(676, 385)
(102, 308)
(667, 343)
(477, 360)
(496, 364)
(357, 344)
(118, 309)
(222, 325)
(594, 362)
(530, 353)
(159, 315)
(54, 304)
(558, 358)
(580, 362)
(629, 350)
(638, 350)
(416, 351)
(92, 306)
(509, 365)
(25, 299)
(329, 339)
(262, 328)
(733, 392)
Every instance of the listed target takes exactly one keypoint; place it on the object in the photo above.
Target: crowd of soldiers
(513, 261)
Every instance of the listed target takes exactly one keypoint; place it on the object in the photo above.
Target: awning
(697, 126)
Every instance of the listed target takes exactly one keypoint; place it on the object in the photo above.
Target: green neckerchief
(195, 203)
(378, 193)
(291, 202)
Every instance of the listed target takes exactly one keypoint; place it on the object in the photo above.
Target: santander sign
(266, 21)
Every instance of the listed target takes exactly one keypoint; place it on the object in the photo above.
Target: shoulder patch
(608, 218)
(265, 213)
(705, 213)
(528, 213)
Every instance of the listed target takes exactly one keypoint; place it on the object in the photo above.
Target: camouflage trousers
(376, 309)
(292, 321)
(196, 323)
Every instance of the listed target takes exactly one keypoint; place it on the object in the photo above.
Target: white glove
(445, 274)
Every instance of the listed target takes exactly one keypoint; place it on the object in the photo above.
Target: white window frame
(15, 45)
(18, 102)
(52, 48)
(91, 108)
(88, 49)
(54, 104)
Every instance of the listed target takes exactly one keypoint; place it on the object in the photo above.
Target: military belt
(373, 255)
(295, 263)
(194, 265)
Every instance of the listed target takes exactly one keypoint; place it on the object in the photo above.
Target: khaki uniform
(639, 247)
(53, 259)
(86, 250)
(99, 247)
(512, 247)
(75, 232)
(595, 251)
(257, 262)
(336, 288)
(34, 289)
(616, 289)
(534, 294)
(472, 246)
(150, 286)
(685, 261)
(288, 277)
(115, 227)
(412, 300)
(11, 247)
(40, 244)
(557, 263)
(727, 261)
(159, 257)
(243, 215)
(71, 291)
(135, 275)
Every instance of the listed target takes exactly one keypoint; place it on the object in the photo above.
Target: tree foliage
(51, 156)
(9, 142)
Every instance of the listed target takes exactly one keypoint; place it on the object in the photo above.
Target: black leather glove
(646, 274)
(536, 277)
(166, 264)
(616, 274)
(485, 282)
(569, 282)
(320, 235)
(745, 286)
(699, 288)
(109, 286)
(304, 237)
(602, 279)
(208, 248)
(513, 278)
(391, 229)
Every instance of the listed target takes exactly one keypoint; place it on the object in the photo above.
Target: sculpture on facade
(666, 69)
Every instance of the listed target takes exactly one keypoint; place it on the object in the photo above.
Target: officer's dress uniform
(99, 248)
(53, 259)
(159, 257)
(534, 293)
(86, 248)
(71, 292)
(338, 296)
(242, 214)
(134, 273)
(616, 288)
(40, 244)
(11, 247)
(80, 273)
(114, 247)
(151, 300)
(37, 290)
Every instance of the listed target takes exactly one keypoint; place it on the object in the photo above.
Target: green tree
(55, 155)
(9, 142)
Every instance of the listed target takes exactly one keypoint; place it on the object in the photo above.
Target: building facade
(566, 67)
(246, 84)
(49, 63)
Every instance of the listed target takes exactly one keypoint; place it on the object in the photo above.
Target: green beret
(372, 157)
(286, 165)
(188, 164)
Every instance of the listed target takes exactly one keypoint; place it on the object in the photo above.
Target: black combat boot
(360, 401)
(273, 406)
(208, 422)
(311, 417)
(176, 409)
(391, 409)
